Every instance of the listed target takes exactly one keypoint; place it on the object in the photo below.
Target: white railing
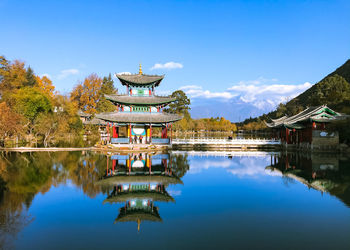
(213, 141)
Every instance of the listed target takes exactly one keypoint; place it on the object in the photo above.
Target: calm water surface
(182, 200)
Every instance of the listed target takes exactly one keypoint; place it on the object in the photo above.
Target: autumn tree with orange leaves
(10, 122)
(87, 94)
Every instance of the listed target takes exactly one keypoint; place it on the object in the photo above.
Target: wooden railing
(213, 141)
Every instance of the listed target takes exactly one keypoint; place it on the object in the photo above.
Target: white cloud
(123, 73)
(242, 167)
(174, 192)
(67, 72)
(163, 92)
(168, 65)
(263, 93)
(195, 91)
(274, 93)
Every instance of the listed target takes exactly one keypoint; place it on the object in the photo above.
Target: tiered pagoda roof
(311, 114)
(138, 215)
(141, 194)
(140, 80)
(142, 177)
(123, 117)
(140, 100)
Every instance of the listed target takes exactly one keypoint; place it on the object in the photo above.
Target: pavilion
(138, 181)
(308, 128)
(138, 111)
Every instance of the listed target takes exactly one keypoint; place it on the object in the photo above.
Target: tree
(181, 105)
(46, 125)
(30, 102)
(10, 122)
(12, 75)
(45, 84)
(87, 93)
(31, 80)
(107, 88)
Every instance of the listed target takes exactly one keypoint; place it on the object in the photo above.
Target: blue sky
(255, 52)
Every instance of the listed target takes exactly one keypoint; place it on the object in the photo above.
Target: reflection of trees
(23, 175)
(179, 164)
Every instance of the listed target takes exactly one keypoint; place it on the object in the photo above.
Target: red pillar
(115, 131)
(107, 167)
(114, 162)
(171, 132)
(166, 131)
(287, 135)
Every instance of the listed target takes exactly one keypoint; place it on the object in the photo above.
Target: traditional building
(139, 180)
(139, 110)
(308, 128)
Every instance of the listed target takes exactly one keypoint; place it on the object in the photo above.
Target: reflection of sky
(239, 166)
(223, 204)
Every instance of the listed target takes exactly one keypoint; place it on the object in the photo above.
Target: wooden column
(115, 131)
(171, 132)
(129, 133)
(287, 135)
(114, 163)
(107, 166)
(150, 132)
(108, 135)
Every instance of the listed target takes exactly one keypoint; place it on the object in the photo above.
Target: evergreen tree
(181, 105)
(107, 88)
(30, 78)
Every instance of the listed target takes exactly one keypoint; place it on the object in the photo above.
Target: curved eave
(126, 100)
(138, 215)
(140, 80)
(126, 117)
(155, 196)
(127, 179)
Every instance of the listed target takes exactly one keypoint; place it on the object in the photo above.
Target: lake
(177, 200)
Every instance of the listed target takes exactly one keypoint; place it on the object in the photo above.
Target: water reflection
(323, 172)
(139, 188)
(139, 180)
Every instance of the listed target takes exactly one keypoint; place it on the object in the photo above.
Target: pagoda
(138, 181)
(139, 110)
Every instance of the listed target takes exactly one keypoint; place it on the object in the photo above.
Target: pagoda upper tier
(140, 80)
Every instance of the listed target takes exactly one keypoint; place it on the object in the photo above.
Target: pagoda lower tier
(139, 126)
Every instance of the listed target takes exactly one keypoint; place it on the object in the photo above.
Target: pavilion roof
(140, 100)
(83, 114)
(140, 194)
(95, 121)
(140, 80)
(124, 117)
(138, 215)
(317, 114)
(125, 178)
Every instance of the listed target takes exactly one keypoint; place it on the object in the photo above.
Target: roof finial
(138, 225)
(140, 70)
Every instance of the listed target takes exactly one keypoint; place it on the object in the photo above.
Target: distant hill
(333, 90)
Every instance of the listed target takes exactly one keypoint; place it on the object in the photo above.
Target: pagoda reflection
(323, 172)
(138, 181)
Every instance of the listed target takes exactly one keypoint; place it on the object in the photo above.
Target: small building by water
(307, 129)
